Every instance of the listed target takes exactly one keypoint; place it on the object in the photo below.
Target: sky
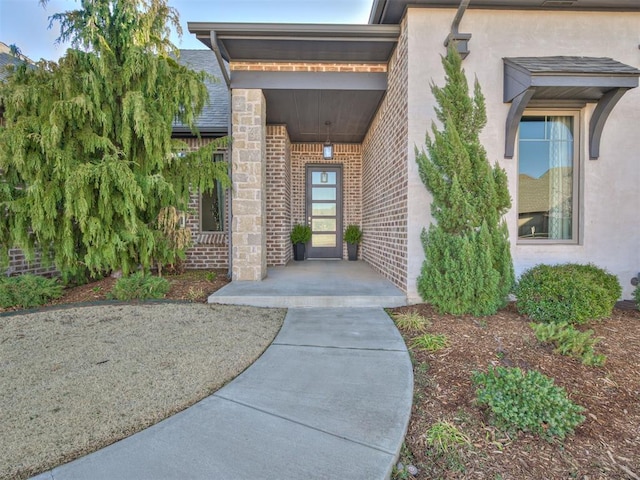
(25, 22)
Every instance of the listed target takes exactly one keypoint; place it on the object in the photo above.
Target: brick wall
(279, 250)
(347, 155)
(18, 265)
(385, 176)
(308, 67)
(208, 250)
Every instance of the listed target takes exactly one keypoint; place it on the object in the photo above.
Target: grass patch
(411, 321)
(429, 342)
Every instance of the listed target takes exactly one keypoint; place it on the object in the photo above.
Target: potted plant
(353, 237)
(300, 235)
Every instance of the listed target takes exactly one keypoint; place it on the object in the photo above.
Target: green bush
(528, 402)
(353, 234)
(28, 291)
(567, 293)
(570, 341)
(139, 287)
(300, 233)
(636, 296)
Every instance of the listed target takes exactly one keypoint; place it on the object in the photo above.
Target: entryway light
(327, 148)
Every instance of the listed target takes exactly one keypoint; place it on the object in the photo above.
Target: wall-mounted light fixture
(327, 148)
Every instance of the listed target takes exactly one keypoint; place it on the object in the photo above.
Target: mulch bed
(606, 445)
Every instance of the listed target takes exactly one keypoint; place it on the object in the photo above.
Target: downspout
(227, 80)
(460, 40)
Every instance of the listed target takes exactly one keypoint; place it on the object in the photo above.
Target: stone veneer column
(249, 252)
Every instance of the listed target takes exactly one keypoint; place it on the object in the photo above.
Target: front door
(324, 210)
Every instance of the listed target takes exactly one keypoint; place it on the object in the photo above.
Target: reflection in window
(546, 177)
(212, 206)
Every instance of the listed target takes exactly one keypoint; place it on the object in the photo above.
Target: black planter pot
(298, 251)
(352, 251)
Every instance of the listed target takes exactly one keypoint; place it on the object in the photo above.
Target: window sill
(211, 238)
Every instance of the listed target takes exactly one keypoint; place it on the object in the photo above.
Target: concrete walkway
(315, 283)
(330, 398)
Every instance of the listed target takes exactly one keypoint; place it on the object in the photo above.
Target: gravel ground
(75, 380)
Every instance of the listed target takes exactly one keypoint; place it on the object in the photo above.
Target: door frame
(337, 167)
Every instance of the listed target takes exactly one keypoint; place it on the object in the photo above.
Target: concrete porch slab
(315, 283)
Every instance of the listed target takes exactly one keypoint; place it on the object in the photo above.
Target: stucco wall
(609, 186)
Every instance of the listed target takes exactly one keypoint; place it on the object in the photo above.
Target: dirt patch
(606, 445)
(76, 379)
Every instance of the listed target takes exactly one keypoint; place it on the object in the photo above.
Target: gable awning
(561, 79)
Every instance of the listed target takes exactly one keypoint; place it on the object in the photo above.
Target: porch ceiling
(392, 11)
(306, 101)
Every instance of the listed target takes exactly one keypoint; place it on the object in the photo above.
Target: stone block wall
(347, 155)
(249, 185)
(279, 250)
(385, 176)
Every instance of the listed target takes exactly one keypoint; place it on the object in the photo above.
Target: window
(212, 206)
(547, 177)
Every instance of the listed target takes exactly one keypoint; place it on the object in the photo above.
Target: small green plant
(444, 437)
(527, 401)
(411, 321)
(28, 291)
(567, 293)
(211, 276)
(636, 296)
(139, 286)
(353, 234)
(570, 341)
(430, 342)
(300, 233)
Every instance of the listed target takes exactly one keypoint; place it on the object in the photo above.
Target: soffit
(299, 42)
(392, 11)
(560, 78)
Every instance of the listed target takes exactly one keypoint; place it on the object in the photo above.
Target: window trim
(578, 135)
(217, 157)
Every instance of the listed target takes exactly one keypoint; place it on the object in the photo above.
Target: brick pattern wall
(385, 176)
(279, 250)
(308, 67)
(18, 265)
(347, 155)
(208, 250)
(248, 232)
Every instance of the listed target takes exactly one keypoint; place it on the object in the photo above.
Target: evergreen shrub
(28, 291)
(139, 286)
(570, 341)
(528, 402)
(570, 293)
(468, 266)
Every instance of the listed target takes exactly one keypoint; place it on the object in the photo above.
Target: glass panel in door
(324, 211)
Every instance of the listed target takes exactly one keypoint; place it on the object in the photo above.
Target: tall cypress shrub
(468, 266)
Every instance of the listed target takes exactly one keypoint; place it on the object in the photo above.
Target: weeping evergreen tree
(468, 266)
(86, 153)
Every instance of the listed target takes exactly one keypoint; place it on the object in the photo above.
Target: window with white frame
(212, 206)
(548, 161)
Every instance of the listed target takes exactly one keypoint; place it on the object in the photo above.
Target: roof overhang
(306, 101)
(392, 11)
(554, 80)
(277, 42)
